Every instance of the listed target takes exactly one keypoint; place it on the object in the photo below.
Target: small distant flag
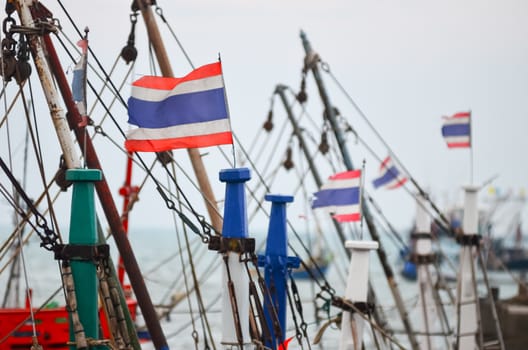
(456, 130)
(79, 78)
(390, 176)
(188, 112)
(341, 196)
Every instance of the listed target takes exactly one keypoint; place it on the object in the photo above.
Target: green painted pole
(83, 231)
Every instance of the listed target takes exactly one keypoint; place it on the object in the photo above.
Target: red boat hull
(52, 327)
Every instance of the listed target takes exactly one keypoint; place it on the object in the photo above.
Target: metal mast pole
(108, 205)
(330, 113)
(57, 113)
(279, 89)
(62, 126)
(194, 154)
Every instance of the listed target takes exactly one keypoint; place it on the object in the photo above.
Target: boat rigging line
(311, 60)
(170, 205)
(326, 68)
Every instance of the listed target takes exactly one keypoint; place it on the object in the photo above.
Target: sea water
(161, 254)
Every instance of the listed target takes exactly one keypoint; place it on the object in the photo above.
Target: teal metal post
(83, 232)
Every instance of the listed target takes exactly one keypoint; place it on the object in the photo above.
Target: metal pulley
(268, 124)
(323, 146)
(8, 63)
(22, 68)
(334, 110)
(288, 163)
(302, 96)
(164, 157)
(8, 52)
(22, 71)
(129, 52)
(60, 177)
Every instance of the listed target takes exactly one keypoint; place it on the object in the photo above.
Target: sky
(404, 63)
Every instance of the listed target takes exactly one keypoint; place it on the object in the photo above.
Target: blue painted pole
(276, 264)
(235, 212)
(83, 232)
(234, 277)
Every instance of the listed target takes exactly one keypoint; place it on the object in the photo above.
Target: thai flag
(79, 78)
(341, 196)
(390, 176)
(457, 131)
(188, 112)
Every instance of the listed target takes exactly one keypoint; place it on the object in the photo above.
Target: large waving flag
(456, 130)
(188, 112)
(390, 176)
(341, 196)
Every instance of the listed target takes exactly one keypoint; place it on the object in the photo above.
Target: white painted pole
(467, 299)
(356, 291)
(48, 86)
(240, 279)
(235, 280)
(426, 305)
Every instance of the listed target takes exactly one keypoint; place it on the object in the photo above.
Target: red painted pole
(107, 202)
(128, 192)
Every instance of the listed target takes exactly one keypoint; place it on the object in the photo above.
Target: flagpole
(470, 149)
(227, 108)
(361, 186)
(311, 64)
(194, 154)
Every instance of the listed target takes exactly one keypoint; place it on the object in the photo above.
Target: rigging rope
(169, 203)
(159, 12)
(326, 68)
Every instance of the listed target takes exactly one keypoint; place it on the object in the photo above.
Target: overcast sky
(405, 63)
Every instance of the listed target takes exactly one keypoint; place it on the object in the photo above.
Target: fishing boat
(212, 249)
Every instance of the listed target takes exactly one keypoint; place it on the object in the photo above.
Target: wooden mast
(52, 97)
(194, 154)
(110, 209)
(330, 114)
(280, 89)
(63, 126)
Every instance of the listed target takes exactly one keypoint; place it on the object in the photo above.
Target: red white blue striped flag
(79, 78)
(170, 113)
(341, 196)
(390, 176)
(456, 130)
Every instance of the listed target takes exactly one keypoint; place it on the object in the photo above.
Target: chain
(325, 295)
(266, 335)
(268, 301)
(298, 305)
(50, 239)
(234, 304)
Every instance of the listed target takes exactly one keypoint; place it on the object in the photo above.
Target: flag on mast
(341, 196)
(390, 175)
(187, 112)
(79, 78)
(456, 130)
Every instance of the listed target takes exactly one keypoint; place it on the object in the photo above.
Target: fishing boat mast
(52, 98)
(63, 126)
(330, 113)
(194, 153)
(279, 90)
(430, 310)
